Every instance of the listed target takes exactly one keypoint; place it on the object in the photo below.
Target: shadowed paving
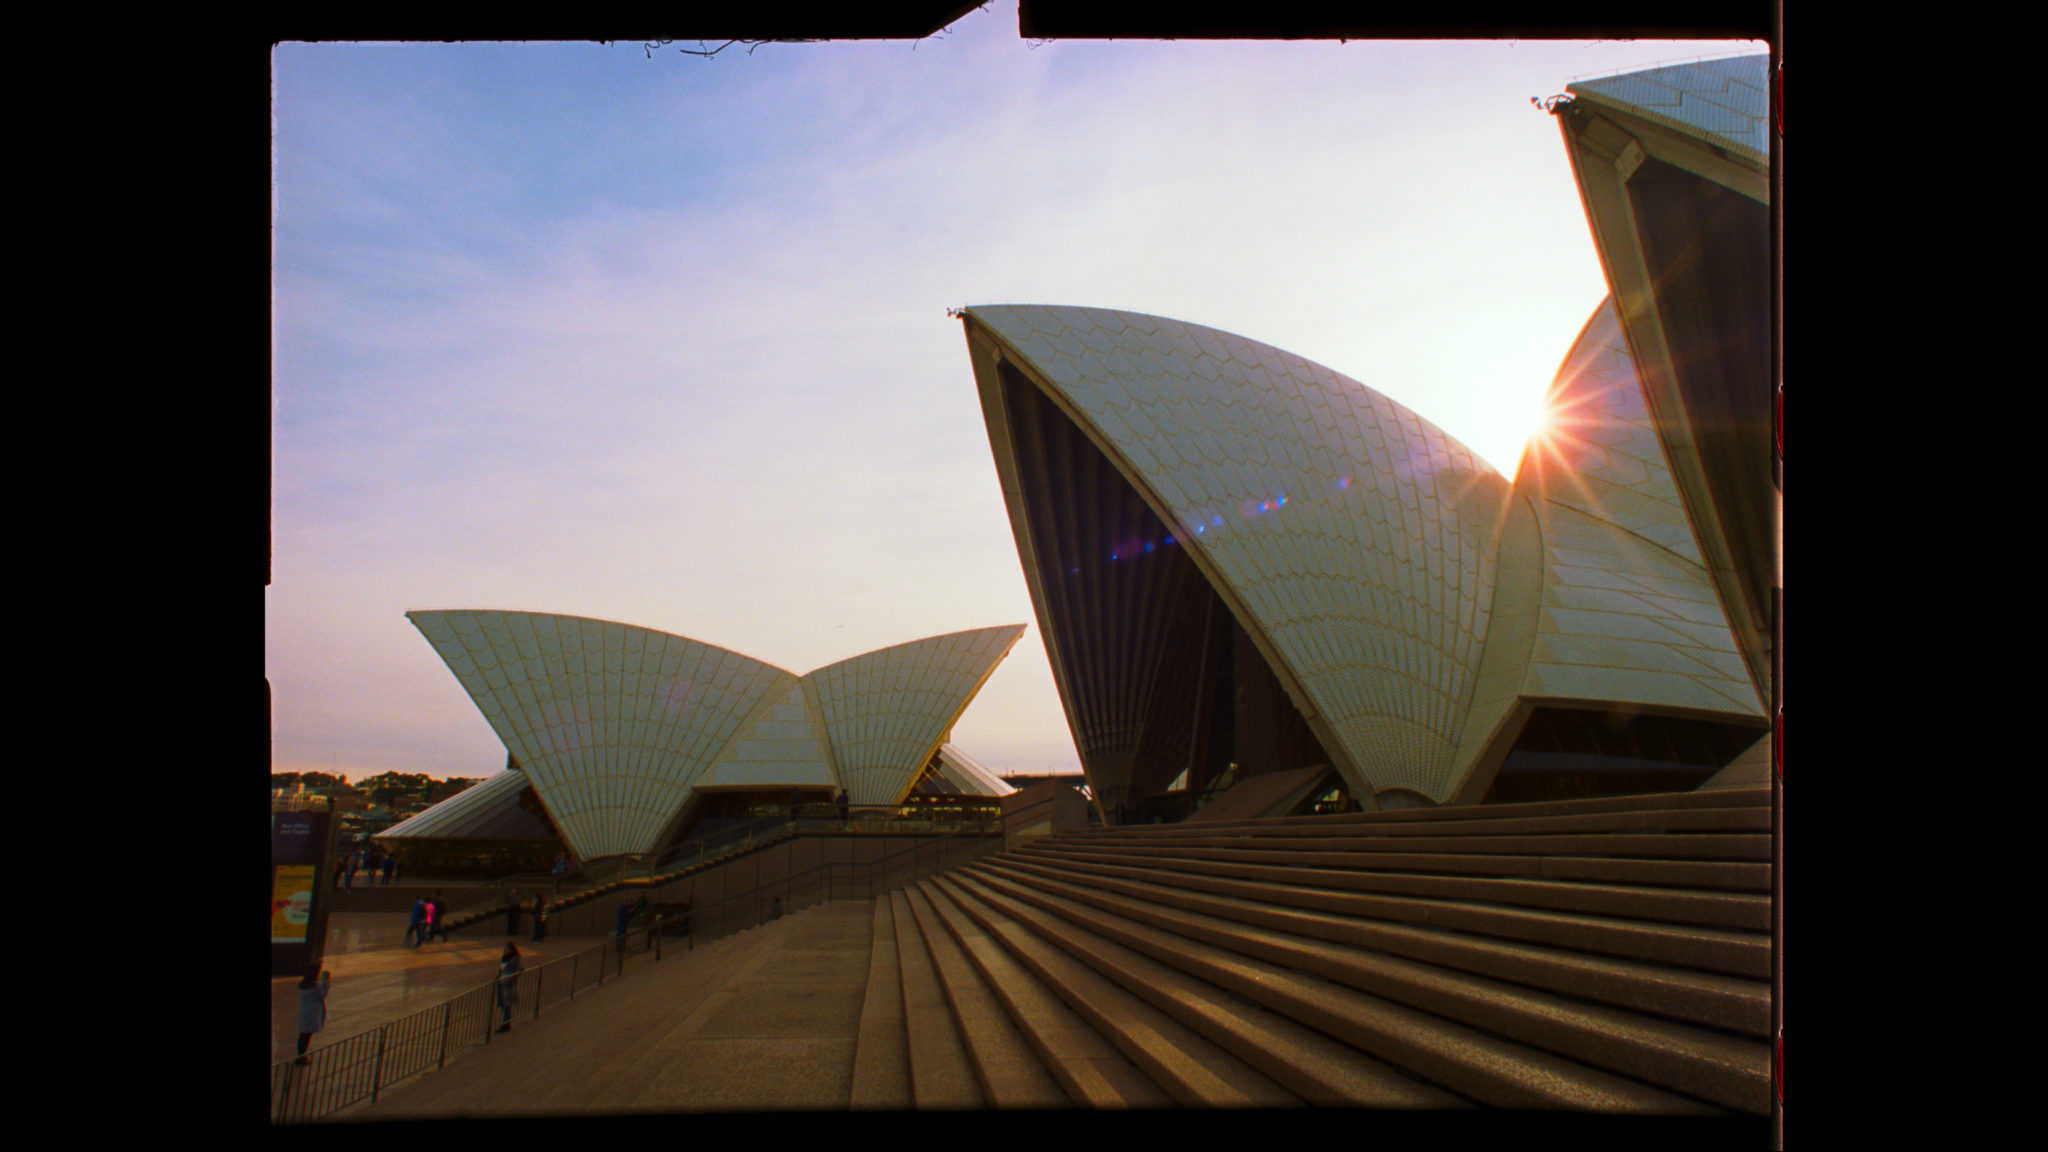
(767, 1019)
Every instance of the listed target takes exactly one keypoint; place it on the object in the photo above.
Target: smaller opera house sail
(616, 730)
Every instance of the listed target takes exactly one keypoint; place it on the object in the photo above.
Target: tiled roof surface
(968, 774)
(610, 722)
(885, 710)
(1629, 613)
(613, 725)
(1360, 536)
(1726, 102)
(486, 810)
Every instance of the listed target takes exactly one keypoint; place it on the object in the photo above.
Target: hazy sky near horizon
(564, 328)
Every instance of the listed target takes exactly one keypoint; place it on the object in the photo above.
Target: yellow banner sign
(291, 902)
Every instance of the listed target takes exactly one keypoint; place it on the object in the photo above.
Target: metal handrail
(761, 897)
(760, 832)
(637, 870)
(360, 1067)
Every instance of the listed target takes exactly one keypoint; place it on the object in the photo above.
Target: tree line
(388, 788)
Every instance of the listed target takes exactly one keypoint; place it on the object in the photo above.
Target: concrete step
(1716, 1000)
(1487, 821)
(1635, 1017)
(1089, 1068)
(1672, 1059)
(1004, 1064)
(1720, 950)
(940, 1074)
(1437, 1053)
(1314, 1067)
(881, 1061)
(1192, 1071)
(1741, 910)
(1732, 876)
(1653, 845)
(1655, 802)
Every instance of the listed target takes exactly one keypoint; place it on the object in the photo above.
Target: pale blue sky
(564, 328)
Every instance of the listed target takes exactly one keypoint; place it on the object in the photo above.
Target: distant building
(624, 738)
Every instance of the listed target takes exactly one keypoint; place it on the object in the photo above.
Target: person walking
(416, 928)
(509, 969)
(312, 1007)
(390, 863)
(437, 917)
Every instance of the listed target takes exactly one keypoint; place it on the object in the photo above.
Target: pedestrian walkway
(377, 979)
(768, 1019)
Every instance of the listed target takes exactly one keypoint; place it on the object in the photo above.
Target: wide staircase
(1606, 954)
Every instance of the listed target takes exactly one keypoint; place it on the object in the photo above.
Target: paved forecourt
(377, 979)
(768, 1019)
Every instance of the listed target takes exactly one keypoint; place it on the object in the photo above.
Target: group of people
(367, 859)
(514, 906)
(429, 918)
(313, 989)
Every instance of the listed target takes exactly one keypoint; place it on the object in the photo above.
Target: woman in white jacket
(312, 1007)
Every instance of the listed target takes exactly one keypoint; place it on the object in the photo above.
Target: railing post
(377, 1069)
(447, 1013)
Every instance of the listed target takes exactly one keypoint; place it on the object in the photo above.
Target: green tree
(398, 782)
(392, 788)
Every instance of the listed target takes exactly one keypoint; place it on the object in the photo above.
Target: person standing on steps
(509, 969)
(312, 1007)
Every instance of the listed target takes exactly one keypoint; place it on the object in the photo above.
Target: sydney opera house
(1245, 563)
(623, 738)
